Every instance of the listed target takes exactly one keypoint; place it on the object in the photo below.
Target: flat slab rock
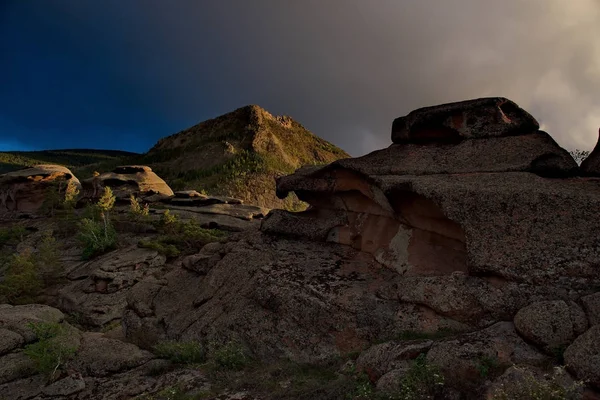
(470, 119)
(242, 211)
(216, 221)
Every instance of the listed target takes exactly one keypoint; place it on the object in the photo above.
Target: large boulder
(479, 118)
(466, 361)
(582, 357)
(27, 190)
(550, 324)
(137, 180)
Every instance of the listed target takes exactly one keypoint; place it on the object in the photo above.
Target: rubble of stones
(471, 241)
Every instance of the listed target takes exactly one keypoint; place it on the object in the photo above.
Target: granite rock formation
(27, 189)
(472, 215)
(137, 180)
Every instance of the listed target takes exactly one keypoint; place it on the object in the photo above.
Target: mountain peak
(239, 154)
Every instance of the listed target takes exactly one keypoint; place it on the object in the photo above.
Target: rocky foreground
(461, 262)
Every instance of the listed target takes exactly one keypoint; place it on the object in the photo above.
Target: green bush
(168, 219)
(229, 356)
(96, 237)
(12, 235)
(136, 210)
(22, 281)
(26, 274)
(190, 352)
(48, 259)
(422, 381)
(181, 237)
(549, 387)
(169, 250)
(106, 201)
(49, 352)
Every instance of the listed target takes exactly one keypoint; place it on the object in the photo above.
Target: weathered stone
(591, 304)
(480, 118)
(186, 194)
(15, 366)
(546, 323)
(98, 289)
(137, 180)
(591, 165)
(18, 318)
(582, 357)
(65, 387)
(380, 359)
(9, 341)
(391, 381)
(28, 189)
(216, 221)
(521, 381)
(578, 318)
(99, 356)
(241, 211)
(460, 359)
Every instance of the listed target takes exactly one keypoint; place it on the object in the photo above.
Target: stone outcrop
(137, 180)
(470, 119)
(591, 165)
(28, 189)
(97, 367)
(97, 290)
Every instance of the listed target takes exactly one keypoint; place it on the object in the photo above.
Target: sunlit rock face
(28, 189)
(137, 180)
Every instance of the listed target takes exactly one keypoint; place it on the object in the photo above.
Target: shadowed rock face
(26, 190)
(453, 122)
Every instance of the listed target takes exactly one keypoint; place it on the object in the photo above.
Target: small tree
(579, 155)
(136, 209)
(97, 237)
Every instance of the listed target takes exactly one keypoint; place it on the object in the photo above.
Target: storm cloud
(121, 74)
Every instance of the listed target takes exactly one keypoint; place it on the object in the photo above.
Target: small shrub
(168, 219)
(363, 388)
(422, 381)
(579, 155)
(487, 366)
(96, 237)
(169, 250)
(181, 352)
(71, 193)
(106, 201)
(230, 356)
(48, 258)
(21, 281)
(12, 235)
(49, 352)
(550, 387)
(184, 236)
(136, 210)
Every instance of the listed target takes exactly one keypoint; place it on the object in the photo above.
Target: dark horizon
(120, 76)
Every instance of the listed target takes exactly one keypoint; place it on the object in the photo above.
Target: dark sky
(122, 74)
